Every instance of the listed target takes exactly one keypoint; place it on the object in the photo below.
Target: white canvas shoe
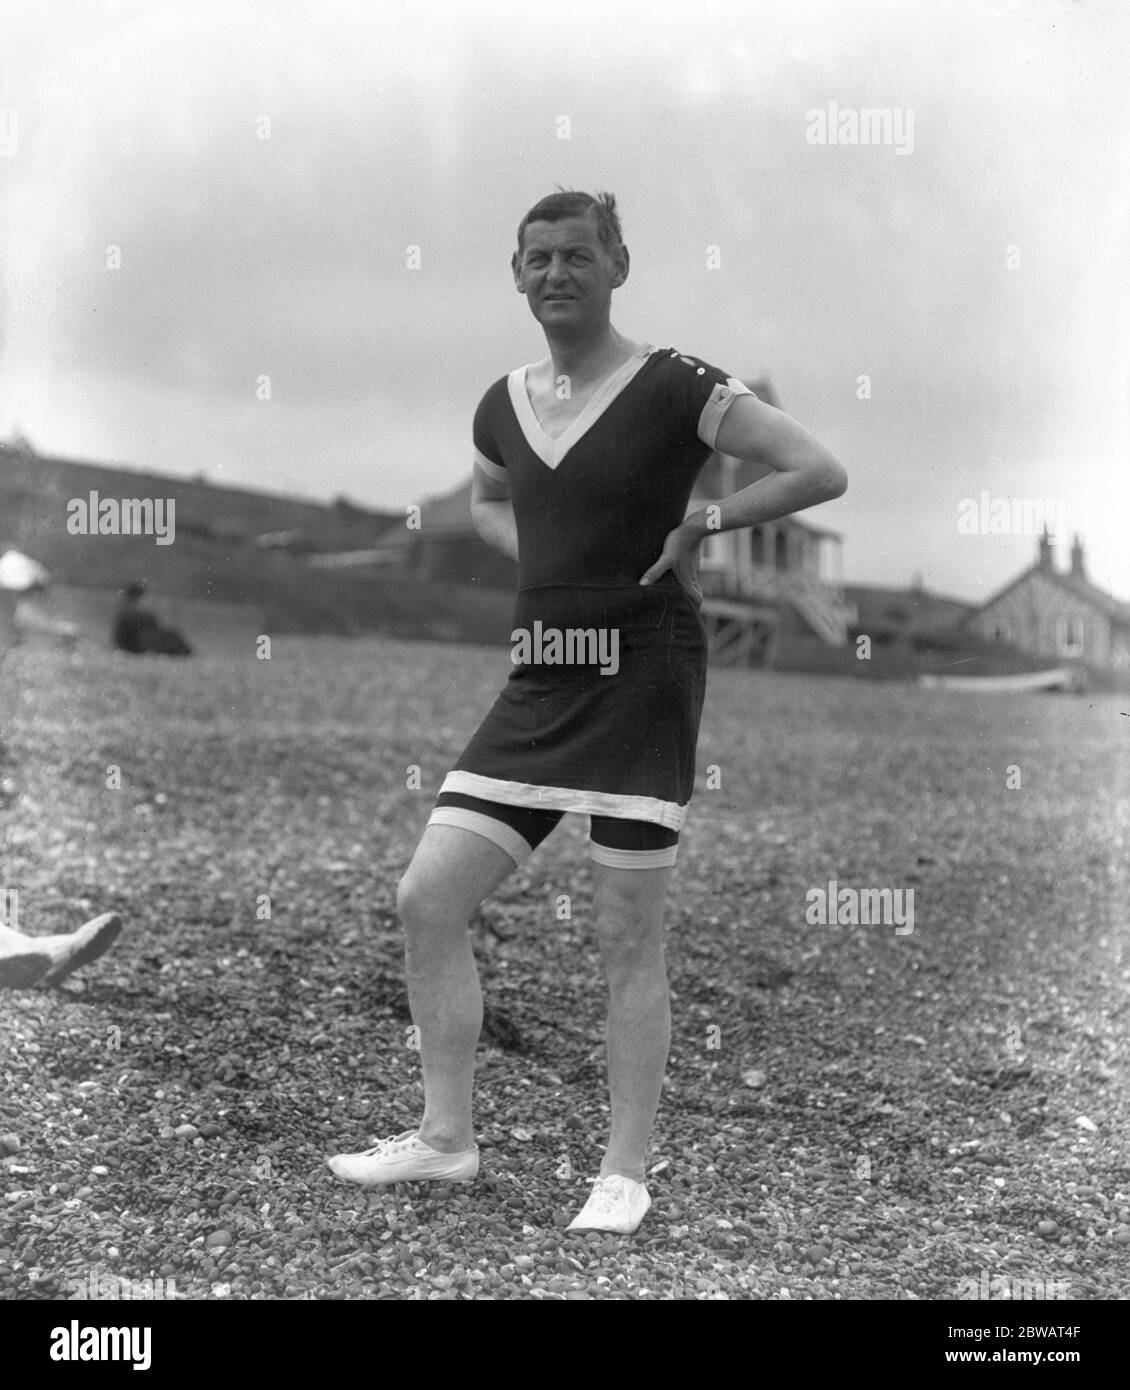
(406, 1158)
(48, 960)
(93, 939)
(615, 1204)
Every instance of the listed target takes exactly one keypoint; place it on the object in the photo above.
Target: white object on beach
(20, 572)
(1060, 678)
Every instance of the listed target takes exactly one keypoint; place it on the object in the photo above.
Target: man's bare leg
(30, 960)
(22, 963)
(628, 905)
(451, 873)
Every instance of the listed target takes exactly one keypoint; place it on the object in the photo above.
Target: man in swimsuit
(588, 530)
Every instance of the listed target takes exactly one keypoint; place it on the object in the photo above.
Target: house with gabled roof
(442, 544)
(1060, 614)
(890, 614)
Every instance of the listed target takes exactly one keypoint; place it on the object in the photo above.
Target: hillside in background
(241, 551)
(35, 492)
(240, 566)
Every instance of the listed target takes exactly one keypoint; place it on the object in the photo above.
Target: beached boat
(1059, 678)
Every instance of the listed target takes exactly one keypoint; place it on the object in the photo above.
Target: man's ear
(516, 268)
(623, 265)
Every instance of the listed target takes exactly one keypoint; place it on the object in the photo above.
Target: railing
(822, 605)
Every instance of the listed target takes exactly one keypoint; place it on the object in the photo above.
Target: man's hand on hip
(680, 555)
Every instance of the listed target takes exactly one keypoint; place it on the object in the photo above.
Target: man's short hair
(571, 203)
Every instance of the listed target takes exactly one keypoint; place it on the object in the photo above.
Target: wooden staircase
(821, 607)
(760, 596)
(740, 634)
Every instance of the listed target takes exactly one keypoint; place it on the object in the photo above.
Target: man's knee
(427, 901)
(629, 923)
(450, 874)
(415, 898)
(425, 932)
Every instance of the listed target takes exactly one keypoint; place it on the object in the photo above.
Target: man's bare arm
(492, 513)
(800, 473)
(803, 472)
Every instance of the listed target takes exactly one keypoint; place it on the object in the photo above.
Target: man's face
(566, 274)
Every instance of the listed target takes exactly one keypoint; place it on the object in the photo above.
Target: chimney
(1045, 553)
(1077, 558)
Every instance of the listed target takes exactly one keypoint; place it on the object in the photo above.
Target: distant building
(1059, 614)
(294, 540)
(447, 548)
(889, 615)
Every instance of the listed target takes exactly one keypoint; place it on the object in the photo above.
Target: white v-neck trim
(552, 451)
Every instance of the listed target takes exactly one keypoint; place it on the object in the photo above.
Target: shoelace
(384, 1148)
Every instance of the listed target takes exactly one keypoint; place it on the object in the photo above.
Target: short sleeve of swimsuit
(700, 394)
(487, 453)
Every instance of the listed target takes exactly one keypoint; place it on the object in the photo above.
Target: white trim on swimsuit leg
(633, 858)
(497, 832)
(618, 804)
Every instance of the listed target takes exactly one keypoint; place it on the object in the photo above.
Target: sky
(203, 203)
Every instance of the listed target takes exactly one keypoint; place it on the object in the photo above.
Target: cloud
(434, 127)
